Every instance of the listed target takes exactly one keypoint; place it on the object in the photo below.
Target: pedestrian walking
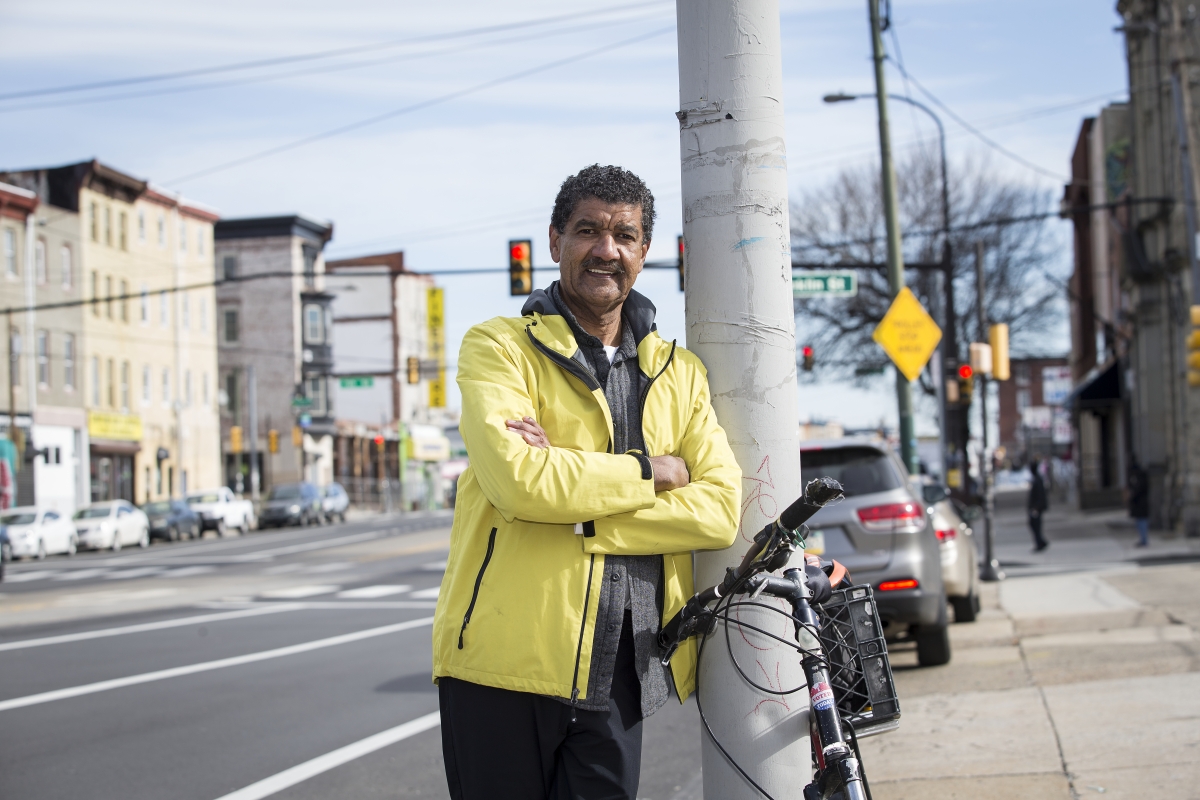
(597, 466)
(1138, 486)
(1037, 505)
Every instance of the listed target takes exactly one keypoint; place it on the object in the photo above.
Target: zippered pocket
(478, 581)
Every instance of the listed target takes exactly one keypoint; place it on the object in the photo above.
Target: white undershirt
(610, 351)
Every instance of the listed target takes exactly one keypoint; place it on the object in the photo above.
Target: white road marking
(309, 769)
(22, 577)
(282, 569)
(207, 666)
(335, 566)
(81, 574)
(139, 572)
(435, 566)
(273, 608)
(266, 555)
(187, 572)
(426, 594)
(297, 592)
(371, 592)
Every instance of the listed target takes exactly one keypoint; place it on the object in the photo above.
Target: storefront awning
(1103, 388)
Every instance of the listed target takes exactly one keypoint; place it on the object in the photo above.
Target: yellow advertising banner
(436, 322)
(117, 427)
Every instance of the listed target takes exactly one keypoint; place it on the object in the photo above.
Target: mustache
(590, 263)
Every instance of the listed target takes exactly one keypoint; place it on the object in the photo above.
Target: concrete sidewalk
(1069, 686)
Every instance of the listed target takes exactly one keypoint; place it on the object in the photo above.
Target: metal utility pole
(740, 322)
(252, 402)
(991, 567)
(891, 215)
(13, 435)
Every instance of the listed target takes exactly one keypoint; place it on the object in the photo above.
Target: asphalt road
(292, 664)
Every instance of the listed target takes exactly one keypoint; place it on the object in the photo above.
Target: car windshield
(289, 491)
(157, 508)
(95, 512)
(860, 470)
(18, 519)
(203, 498)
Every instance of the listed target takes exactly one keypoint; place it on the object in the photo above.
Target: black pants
(505, 745)
(1035, 525)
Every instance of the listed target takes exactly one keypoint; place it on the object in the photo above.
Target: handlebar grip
(817, 494)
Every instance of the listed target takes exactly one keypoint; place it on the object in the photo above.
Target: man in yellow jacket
(597, 466)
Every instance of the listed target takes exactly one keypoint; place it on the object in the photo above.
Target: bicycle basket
(860, 673)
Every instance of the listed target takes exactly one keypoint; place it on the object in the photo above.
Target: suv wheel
(965, 608)
(933, 645)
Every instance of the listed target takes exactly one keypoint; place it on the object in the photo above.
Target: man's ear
(555, 241)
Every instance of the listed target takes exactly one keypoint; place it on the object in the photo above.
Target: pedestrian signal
(807, 352)
(235, 439)
(679, 244)
(414, 369)
(273, 441)
(520, 266)
(998, 336)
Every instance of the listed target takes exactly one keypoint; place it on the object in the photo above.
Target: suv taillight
(893, 518)
(946, 535)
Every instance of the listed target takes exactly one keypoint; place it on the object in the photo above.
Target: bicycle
(842, 677)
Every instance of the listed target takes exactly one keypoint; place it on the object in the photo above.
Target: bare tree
(842, 222)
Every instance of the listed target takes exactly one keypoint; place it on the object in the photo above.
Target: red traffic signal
(379, 441)
(520, 266)
(807, 352)
(965, 372)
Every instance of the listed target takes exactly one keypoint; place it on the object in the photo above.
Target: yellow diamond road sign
(908, 334)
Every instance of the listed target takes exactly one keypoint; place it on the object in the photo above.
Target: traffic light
(414, 369)
(297, 436)
(273, 441)
(966, 384)
(981, 358)
(679, 243)
(379, 443)
(520, 267)
(1193, 346)
(235, 439)
(998, 336)
(807, 352)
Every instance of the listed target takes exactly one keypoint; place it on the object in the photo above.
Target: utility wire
(418, 106)
(320, 54)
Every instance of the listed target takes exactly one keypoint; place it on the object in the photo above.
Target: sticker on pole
(908, 334)
(822, 696)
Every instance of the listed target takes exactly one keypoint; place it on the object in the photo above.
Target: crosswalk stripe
(371, 592)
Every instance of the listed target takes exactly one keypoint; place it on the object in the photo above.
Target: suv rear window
(860, 470)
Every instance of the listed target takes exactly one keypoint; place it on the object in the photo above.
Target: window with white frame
(204, 315)
(69, 362)
(108, 238)
(42, 343)
(95, 382)
(145, 305)
(166, 386)
(162, 230)
(146, 380)
(230, 326)
(204, 388)
(15, 345)
(94, 221)
(187, 388)
(185, 318)
(315, 389)
(125, 386)
(142, 225)
(182, 236)
(39, 260)
(10, 252)
(201, 231)
(314, 324)
(68, 266)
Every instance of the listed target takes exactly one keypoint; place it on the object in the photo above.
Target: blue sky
(449, 184)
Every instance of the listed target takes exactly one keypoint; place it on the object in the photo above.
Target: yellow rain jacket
(517, 608)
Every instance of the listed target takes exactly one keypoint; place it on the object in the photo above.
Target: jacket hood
(638, 310)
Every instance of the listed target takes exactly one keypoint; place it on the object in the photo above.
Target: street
(295, 664)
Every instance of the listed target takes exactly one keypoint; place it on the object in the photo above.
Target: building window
(162, 230)
(108, 239)
(204, 314)
(125, 386)
(166, 386)
(230, 331)
(1023, 400)
(315, 389)
(94, 221)
(182, 236)
(39, 260)
(95, 293)
(231, 393)
(10, 252)
(112, 384)
(145, 305)
(204, 388)
(68, 267)
(229, 267)
(142, 225)
(310, 266)
(124, 301)
(95, 382)
(108, 296)
(162, 309)
(122, 232)
(14, 343)
(68, 362)
(185, 318)
(187, 388)
(43, 358)
(314, 328)
(200, 237)
(146, 384)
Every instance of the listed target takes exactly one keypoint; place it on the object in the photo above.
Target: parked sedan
(172, 520)
(881, 532)
(292, 504)
(38, 532)
(112, 525)
(5, 550)
(960, 558)
(334, 502)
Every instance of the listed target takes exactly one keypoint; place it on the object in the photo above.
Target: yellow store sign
(119, 427)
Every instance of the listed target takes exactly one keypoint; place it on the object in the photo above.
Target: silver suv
(882, 534)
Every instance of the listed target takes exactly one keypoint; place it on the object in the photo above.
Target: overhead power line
(321, 54)
(433, 101)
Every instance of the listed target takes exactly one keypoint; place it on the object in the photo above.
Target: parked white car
(111, 526)
(221, 510)
(38, 532)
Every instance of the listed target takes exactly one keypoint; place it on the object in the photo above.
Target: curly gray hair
(610, 184)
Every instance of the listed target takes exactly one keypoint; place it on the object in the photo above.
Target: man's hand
(669, 473)
(528, 429)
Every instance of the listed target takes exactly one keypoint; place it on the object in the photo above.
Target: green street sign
(358, 382)
(832, 283)
(300, 401)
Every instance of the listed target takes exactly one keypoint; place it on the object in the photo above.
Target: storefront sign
(116, 427)
(436, 332)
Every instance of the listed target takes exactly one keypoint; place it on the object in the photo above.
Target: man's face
(600, 253)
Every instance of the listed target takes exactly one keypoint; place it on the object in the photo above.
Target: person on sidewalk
(597, 467)
(1037, 505)
(1138, 486)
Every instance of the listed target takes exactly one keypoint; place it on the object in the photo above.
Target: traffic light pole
(991, 567)
(252, 402)
(740, 322)
(891, 215)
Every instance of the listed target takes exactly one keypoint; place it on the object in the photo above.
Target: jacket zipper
(564, 362)
(587, 599)
(478, 581)
(646, 391)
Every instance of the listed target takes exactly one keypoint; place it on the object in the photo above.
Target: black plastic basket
(860, 673)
